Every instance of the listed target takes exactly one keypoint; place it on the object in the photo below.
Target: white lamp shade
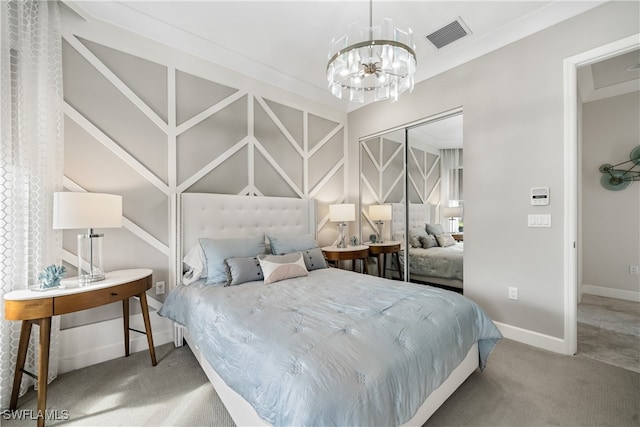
(453, 212)
(380, 212)
(342, 213)
(86, 210)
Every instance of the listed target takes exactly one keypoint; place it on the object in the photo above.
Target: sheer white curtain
(31, 164)
(450, 164)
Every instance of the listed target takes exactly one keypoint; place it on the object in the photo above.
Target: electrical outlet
(159, 288)
(513, 293)
(633, 269)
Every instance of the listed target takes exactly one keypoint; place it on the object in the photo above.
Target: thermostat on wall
(540, 196)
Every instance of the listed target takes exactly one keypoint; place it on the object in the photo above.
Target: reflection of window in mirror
(452, 188)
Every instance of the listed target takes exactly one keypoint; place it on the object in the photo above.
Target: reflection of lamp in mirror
(341, 214)
(452, 213)
(379, 214)
(87, 210)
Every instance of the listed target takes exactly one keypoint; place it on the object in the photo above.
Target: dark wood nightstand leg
(125, 318)
(365, 267)
(25, 333)
(400, 270)
(147, 326)
(43, 368)
(384, 265)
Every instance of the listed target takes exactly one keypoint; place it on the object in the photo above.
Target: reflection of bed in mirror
(435, 265)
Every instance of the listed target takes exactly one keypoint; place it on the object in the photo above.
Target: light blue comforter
(332, 348)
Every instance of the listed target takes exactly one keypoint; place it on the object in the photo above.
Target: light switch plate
(539, 220)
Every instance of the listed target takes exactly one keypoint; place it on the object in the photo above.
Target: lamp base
(380, 225)
(90, 267)
(342, 227)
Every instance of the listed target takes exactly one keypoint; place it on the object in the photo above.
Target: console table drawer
(82, 301)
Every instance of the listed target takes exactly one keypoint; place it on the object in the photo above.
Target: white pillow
(281, 267)
(197, 265)
(445, 240)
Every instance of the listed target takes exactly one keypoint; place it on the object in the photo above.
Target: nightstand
(459, 237)
(352, 253)
(37, 307)
(381, 250)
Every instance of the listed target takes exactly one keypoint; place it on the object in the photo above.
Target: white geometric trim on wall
(113, 146)
(119, 84)
(425, 195)
(332, 166)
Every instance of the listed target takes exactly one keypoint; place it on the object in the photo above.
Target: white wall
(514, 138)
(611, 219)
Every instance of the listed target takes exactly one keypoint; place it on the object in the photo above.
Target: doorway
(573, 250)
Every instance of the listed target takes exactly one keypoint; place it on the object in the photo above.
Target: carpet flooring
(609, 331)
(522, 386)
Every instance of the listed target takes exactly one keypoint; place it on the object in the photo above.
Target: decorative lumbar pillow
(445, 240)
(287, 244)
(314, 259)
(242, 270)
(216, 251)
(428, 241)
(281, 267)
(434, 229)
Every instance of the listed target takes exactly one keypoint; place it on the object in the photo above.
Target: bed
(342, 348)
(434, 265)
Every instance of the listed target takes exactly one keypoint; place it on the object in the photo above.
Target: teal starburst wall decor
(615, 178)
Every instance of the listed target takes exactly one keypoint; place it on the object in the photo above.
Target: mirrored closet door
(411, 194)
(435, 201)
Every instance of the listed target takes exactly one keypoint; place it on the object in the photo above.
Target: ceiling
(610, 77)
(286, 43)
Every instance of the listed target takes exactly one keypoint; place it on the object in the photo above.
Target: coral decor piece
(51, 276)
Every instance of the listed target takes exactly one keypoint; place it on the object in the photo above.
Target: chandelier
(377, 59)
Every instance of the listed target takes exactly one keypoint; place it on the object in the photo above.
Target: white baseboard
(98, 342)
(602, 291)
(535, 339)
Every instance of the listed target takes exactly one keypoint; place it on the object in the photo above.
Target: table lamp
(341, 214)
(379, 214)
(451, 213)
(87, 210)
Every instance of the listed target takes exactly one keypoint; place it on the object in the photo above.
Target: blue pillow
(216, 251)
(281, 245)
(242, 270)
(434, 229)
(314, 259)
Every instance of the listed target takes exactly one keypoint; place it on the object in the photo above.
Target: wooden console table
(353, 253)
(381, 250)
(37, 307)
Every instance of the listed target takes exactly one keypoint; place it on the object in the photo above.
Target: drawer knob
(114, 294)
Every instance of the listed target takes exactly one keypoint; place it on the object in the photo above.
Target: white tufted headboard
(225, 216)
(419, 215)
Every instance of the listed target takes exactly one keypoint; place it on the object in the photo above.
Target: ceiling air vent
(449, 33)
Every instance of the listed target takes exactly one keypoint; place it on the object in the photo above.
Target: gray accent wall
(513, 102)
(148, 122)
(610, 219)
